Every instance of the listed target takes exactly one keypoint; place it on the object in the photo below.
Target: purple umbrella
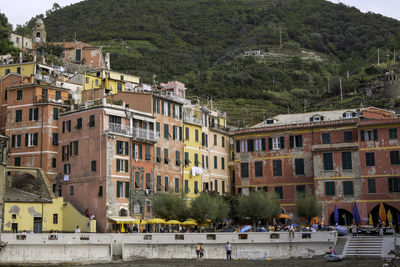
(356, 214)
(336, 215)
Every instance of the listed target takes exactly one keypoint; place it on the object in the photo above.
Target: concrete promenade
(103, 248)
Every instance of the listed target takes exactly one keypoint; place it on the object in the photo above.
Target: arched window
(38, 34)
(123, 212)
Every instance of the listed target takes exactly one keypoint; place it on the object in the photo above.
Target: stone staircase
(364, 246)
(340, 245)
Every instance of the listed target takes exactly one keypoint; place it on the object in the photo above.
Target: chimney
(20, 57)
(107, 61)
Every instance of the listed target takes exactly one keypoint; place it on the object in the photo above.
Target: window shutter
(362, 135)
(282, 142)
(162, 107)
(263, 144)
(173, 132)
(118, 165)
(270, 143)
(63, 127)
(180, 112)
(36, 114)
(140, 152)
(13, 141)
(180, 133)
(126, 148)
(126, 166)
(173, 110)
(62, 155)
(291, 141)
(127, 189)
(118, 189)
(70, 148)
(169, 109)
(35, 139)
(237, 146)
(26, 139)
(375, 134)
(30, 114)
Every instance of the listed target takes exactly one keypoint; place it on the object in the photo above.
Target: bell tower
(39, 32)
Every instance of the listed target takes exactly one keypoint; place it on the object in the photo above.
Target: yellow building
(30, 205)
(26, 69)
(194, 163)
(110, 80)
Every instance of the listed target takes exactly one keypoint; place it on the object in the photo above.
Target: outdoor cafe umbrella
(356, 214)
(189, 223)
(137, 221)
(390, 218)
(382, 213)
(370, 221)
(283, 216)
(336, 215)
(156, 221)
(173, 222)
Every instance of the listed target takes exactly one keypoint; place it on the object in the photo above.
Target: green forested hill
(202, 42)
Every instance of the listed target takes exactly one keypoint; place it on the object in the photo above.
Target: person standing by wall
(197, 248)
(77, 229)
(228, 251)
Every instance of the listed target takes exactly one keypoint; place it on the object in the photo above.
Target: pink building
(107, 160)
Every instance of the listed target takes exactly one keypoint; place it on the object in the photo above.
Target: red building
(343, 156)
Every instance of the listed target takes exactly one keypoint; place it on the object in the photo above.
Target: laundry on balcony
(197, 171)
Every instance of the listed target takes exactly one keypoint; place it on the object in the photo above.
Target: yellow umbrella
(370, 221)
(189, 223)
(173, 222)
(382, 213)
(156, 221)
(390, 218)
(122, 228)
(137, 221)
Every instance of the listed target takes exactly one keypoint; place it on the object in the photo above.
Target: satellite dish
(37, 39)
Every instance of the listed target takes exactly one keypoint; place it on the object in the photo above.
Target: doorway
(37, 224)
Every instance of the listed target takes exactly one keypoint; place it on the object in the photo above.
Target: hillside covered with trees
(202, 43)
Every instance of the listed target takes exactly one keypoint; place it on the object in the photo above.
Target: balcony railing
(137, 133)
(145, 134)
(48, 99)
(191, 119)
(219, 127)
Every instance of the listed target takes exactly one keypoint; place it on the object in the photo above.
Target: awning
(114, 112)
(121, 220)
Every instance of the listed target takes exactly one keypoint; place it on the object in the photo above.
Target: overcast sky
(20, 11)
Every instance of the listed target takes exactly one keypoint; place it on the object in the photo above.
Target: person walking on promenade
(228, 251)
(354, 230)
(197, 248)
(77, 229)
(201, 251)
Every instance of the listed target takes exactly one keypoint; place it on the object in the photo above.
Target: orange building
(32, 125)
(82, 53)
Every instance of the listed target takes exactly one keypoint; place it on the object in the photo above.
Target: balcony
(335, 146)
(136, 133)
(45, 78)
(218, 127)
(145, 134)
(192, 120)
(48, 99)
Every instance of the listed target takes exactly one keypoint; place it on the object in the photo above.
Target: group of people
(200, 251)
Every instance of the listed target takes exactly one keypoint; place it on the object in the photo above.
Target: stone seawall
(100, 248)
